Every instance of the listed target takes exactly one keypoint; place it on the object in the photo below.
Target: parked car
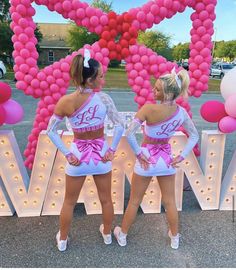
(220, 69)
(185, 65)
(2, 69)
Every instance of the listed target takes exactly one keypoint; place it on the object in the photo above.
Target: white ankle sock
(123, 234)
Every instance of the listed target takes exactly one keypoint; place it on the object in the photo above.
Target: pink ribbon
(90, 149)
(159, 150)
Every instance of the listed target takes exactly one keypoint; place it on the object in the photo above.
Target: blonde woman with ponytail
(89, 153)
(154, 156)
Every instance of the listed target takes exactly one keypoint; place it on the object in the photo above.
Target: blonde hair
(171, 88)
(80, 74)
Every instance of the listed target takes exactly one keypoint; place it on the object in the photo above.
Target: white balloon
(228, 84)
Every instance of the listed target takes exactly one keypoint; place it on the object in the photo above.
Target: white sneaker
(106, 237)
(61, 244)
(174, 240)
(120, 236)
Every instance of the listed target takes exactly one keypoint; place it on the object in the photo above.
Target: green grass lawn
(117, 79)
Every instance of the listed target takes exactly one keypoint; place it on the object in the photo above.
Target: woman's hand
(109, 155)
(176, 161)
(143, 160)
(72, 159)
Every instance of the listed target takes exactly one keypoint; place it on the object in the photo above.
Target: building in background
(53, 46)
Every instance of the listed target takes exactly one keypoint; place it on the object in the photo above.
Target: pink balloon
(138, 66)
(141, 100)
(201, 30)
(30, 46)
(227, 124)
(139, 81)
(213, 111)
(143, 50)
(162, 68)
(144, 92)
(152, 59)
(134, 49)
(144, 74)
(144, 59)
(199, 45)
(198, 59)
(29, 31)
(94, 20)
(141, 16)
(24, 68)
(35, 83)
(103, 20)
(197, 74)
(31, 62)
(230, 105)
(203, 15)
(5, 92)
(23, 38)
(197, 93)
(133, 74)
(28, 78)
(197, 23)
(33, 71)
(14, 112)
(199, 7)
(154, 69)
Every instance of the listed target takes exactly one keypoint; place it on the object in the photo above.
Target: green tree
(181, 51)
(39, 37)
(6, 46)
(219, 49)
(157, 41)
(78, 36)
(103, 5)
(225, 49)
(4, 14)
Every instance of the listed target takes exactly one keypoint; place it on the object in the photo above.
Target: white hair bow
(87, 56)
(178, 81)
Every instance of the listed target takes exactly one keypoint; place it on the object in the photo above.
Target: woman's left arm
(193, 135)
(114, 116)
(192, 139)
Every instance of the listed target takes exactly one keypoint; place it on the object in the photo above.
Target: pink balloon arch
(50, 83)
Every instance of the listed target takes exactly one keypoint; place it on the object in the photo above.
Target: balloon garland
(118, 34)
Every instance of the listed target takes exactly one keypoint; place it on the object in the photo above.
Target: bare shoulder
(145, 111)
(63, 105)
(149, 108)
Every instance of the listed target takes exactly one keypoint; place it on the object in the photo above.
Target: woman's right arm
(53, 124)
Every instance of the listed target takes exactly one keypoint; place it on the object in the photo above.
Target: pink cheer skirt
(160, 157)
(90, 153)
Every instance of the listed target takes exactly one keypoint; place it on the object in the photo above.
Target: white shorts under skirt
(91, 168)
(158, 169)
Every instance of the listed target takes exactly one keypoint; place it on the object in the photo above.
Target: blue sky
(178, 27)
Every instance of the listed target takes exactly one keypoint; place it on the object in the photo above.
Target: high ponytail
(80, 74)
(76, 70)
(185, 80)
(175, 86)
